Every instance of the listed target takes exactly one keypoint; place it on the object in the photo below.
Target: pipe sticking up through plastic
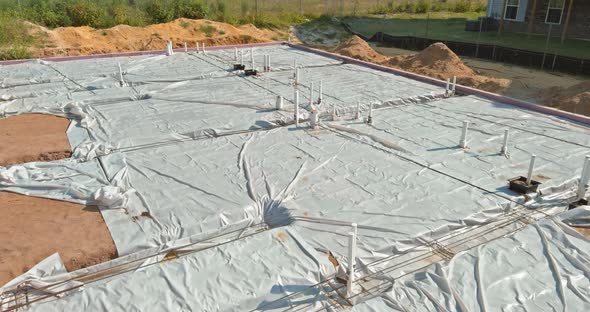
(529, 175)
(584, 178)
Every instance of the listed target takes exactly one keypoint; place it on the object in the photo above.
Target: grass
(451, 26)
(209, 30)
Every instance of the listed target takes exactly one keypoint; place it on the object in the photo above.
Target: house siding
(579, 25)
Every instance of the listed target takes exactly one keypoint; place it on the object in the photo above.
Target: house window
(511, 10)
(554, 12)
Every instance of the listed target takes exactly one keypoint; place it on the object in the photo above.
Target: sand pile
(575, 99)
(359, 49)
(436, 61)
(87, 40)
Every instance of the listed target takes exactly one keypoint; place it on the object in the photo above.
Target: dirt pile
(33, 137)
(436, 61)
(359, 49)
(66, 41)
(575, 99)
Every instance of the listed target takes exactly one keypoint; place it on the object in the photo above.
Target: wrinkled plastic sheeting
(274, 264)
(62, 179)
(214, 182)
(40, 276)
(541, 268)
(430, 134)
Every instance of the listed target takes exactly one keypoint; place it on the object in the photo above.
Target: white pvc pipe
(121, 81)
(241, 58)
(311, 93)
(315, 118)
(454, 83)
(358, 110)
(268, 62)
(236, 54)
(203, 46)
(296, 117)
(320, 99)
(447, 86)
(168, 53)
(279, 102)
(297, 76)
(463, 142)
(370, 119)
(197, 47)
(252, 58)
(504, 149)
(584, 178)
(529, 175)
(185, 47)
(351, 260)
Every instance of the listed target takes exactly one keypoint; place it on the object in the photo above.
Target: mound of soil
(67, 41)
(31, 229)
(33, 137)
(359, 49)
(575, 99)
(436, 61)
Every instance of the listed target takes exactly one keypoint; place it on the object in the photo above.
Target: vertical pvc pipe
(529, 175)
(252, 58)
(454, 83)
(203, 47)
(584, 178)
(315, 118)
(197, 47)
(185, 47)
(297, 76)
(321, 97)
(279, 102)
(241, 58)
(370, 119)
(351, 260)
(311, 93)
(268, 62)
(121, 81)
(236, 54)
(463, 141)
(504, 149)
(296, 117)
(447, 86)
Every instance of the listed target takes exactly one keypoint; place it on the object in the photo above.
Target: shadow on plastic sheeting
(309, 295)
(276, 215)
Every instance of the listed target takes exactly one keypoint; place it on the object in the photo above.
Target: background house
(567, 18)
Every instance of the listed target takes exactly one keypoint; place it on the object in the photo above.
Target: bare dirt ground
(68, 41)
(33, 137)
(562, 91)
(436, 61)
(32, 229)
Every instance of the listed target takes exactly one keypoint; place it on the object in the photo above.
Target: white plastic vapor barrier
(541, 268)
(175, 149)
(253, 273)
